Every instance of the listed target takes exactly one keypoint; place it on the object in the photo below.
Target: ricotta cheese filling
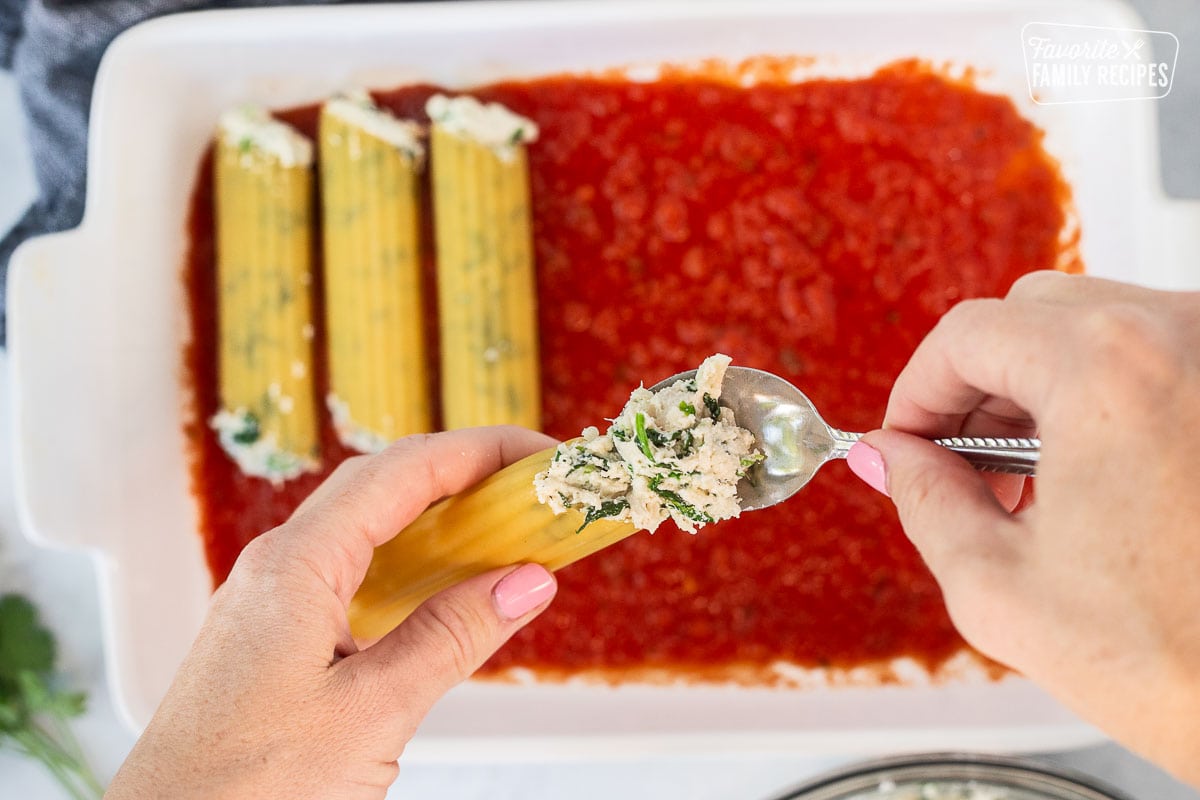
(257, 454)
(251, 128)
(939, 790)
(490, 124)
(358, 109)
(349, 432)
(676, 453)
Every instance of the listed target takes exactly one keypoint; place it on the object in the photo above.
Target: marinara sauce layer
(815, 230)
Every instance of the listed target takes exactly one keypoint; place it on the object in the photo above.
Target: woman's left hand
(275, 699)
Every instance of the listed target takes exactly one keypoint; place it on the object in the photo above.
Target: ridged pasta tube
(263, 193)
(486, 292)
(370, 182)
(675, 453)
(496, 523)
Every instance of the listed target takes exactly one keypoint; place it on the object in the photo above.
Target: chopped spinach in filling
(676, 453)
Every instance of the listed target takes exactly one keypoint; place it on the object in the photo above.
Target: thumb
(452, 633)
(946, 508)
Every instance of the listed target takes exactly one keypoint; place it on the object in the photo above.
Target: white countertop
(64, 587)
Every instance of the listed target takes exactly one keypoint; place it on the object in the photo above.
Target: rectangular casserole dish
(97, 324)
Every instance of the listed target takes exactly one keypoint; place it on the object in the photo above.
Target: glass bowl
(953, 776)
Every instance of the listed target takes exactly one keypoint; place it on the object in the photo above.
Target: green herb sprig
(33, 711)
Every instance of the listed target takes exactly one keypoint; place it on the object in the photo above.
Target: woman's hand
(275, 699)
(1093, 591)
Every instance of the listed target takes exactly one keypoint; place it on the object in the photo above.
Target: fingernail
(867, 463)
(523, 590)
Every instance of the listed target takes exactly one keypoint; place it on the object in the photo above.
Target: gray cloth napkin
(54, 47)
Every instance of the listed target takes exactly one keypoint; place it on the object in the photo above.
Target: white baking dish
(98, 321)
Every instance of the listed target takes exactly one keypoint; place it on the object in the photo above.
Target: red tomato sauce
(815, 230)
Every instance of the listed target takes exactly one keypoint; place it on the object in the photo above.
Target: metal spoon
(797, 442)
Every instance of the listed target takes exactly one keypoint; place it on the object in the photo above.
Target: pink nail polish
(523, 590)
(866, 462)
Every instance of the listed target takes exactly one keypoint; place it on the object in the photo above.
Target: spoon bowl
(797, 442)
(787, 428)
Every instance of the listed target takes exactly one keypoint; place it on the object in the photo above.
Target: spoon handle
(1012, 456)
(987, 453)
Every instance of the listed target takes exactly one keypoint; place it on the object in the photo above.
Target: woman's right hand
(1093, 590)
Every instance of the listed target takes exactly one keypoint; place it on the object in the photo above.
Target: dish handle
(58, 388)
(1173, 255)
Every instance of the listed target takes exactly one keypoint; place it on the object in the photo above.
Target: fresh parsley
(714, 410)
(33, 710)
